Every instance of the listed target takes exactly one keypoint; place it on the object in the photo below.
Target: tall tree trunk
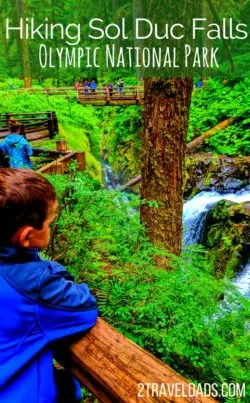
(24, 47)
(165, 123)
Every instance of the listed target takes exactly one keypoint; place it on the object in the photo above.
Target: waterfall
(242, 281)
(196, 209)
(110, 180)
(194, 215)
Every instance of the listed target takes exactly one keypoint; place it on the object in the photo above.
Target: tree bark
(24, 47)
(165, 123)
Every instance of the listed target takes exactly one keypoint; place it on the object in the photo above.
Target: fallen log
(131, 183)
(198, 143)
(115, 369)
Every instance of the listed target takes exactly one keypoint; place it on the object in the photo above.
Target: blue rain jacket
(39, 303)
(17, 148)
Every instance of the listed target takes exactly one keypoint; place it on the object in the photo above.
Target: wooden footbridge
(125, 96)
(34, 126)
(129, 95)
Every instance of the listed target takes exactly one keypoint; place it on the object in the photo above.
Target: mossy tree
(20, 5)
(165, 124)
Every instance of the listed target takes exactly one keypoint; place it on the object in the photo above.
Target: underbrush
(196, 324)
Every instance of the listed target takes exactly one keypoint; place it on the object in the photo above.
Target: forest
(167, 258)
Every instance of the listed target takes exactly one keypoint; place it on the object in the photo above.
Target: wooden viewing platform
(34, 126)
(115, 369)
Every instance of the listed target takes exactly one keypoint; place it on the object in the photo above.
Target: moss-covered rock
(227, 236)
(205, 171)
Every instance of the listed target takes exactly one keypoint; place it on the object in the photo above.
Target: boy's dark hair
(25, 199)
(13, 124)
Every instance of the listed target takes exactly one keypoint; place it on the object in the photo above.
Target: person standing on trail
(120, 86)
(16, 147)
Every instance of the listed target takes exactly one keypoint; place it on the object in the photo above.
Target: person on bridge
(77, 85)
(120, 87)
(16, 147)
(41, 303)
(86, 88)
(111, 88)
(93, 86)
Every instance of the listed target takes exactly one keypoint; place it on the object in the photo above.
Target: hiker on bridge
(93, 86)
(16, 147)
(77, 85)
(110, 88)
(120, 86)
(86, 88)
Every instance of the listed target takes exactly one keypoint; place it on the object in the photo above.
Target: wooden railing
(33, 125)
(64, 91)
(115, 369)
(126, 95)
(60, 165)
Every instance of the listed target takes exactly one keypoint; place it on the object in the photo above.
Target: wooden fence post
(108, 95)
(7, 117)
(50, 128)
(80, 158)
(22, 131)
(55, 123)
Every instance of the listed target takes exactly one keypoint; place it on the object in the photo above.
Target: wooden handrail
(115, 369)
(60, 165)
(31, 123)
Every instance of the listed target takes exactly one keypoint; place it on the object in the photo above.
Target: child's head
(14, 126)
(27, 208)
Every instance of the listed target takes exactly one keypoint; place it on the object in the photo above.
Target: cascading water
(110, 180)
(242, 281)
(196, 209)
(194, 215)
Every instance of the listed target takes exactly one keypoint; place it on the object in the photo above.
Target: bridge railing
(134, 94)
(129, 93)
(60, 165)
(115, 369)
(31, 123)
(50, 91)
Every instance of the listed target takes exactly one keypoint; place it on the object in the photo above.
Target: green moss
(224, 238)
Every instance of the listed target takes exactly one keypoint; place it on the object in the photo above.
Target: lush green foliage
(195, 323)
(210, 105)
(216, 102)
(121, 139)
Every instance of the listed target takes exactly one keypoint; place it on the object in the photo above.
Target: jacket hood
(10, 253)
(12, 139)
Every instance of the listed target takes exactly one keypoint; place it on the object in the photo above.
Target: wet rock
(227, 236)
(220, 173)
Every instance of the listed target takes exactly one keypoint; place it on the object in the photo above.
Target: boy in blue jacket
(40, 303)
(16, 147)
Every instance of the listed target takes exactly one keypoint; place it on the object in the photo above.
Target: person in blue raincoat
(41, 305)
(16, 147)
